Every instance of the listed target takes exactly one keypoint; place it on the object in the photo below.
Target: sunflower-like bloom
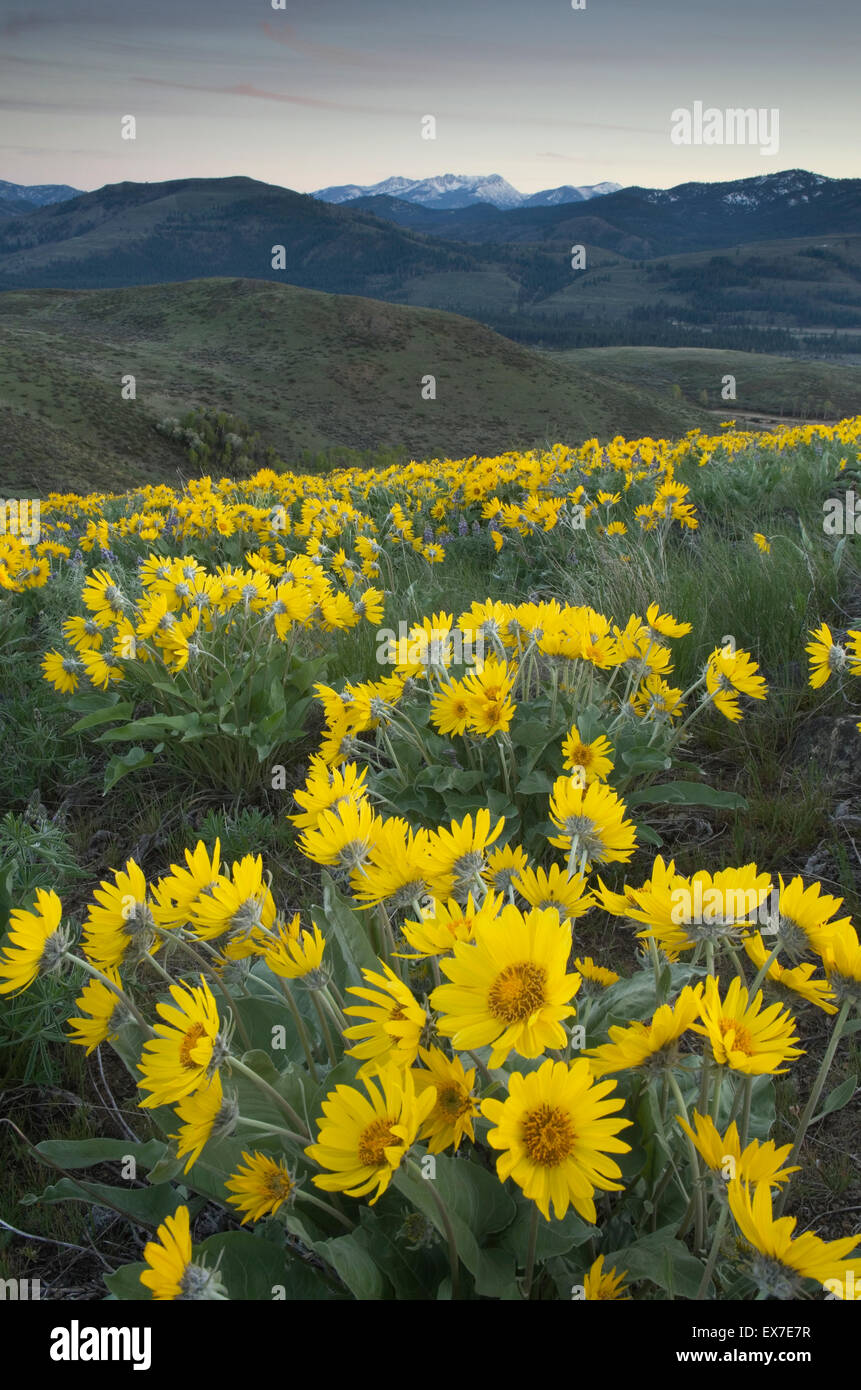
(394, 1027)
(744, 1036)
(238, 904)
(762, 543)
(554, 888)
(592, 822)
(456, 857)
(806, 918)
(649, 1044)
(827, 657)
(296, 954)
(730, 674)
(63, 672)
(99, 670)
(103, 597)
(325, 788)
(781, 1261)
(364, 1141)
(172, 1273)
(594, 975)
(655, 699)
(757, 1162)
(450, 710)
(664, 624)
(491, 710)
(593, 759)
(455, 1107)
(682, 911)
(106, 1013)
(509, 988)
(121, 919)
(187, 1048)
(205, 1114)
(397, 869)
(599, 1283)
(177, 893)
(556, 1131)
(261, 1187)
(444, 923)
(842, 961)
(37, 943)
(85, 634)
(791, 983)
(504, 866)
(343, 838)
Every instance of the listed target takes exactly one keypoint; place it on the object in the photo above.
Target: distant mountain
(37, 195)
(551, 197)
(740, 265)
(461, 191)
(645, 222)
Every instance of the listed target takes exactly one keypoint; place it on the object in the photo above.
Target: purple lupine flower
(462, 527)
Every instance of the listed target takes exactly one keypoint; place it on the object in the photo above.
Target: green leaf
(146, 1206)
(125, 1284)
(554, 1237)
(663, 1260)
(350, 932)
(836, 1099)
(85, 1153)
(686, 794)
(477, 1206)
(535, 783)
(356, 1266)
(254, 1268)
(104, 713)
(121, 765)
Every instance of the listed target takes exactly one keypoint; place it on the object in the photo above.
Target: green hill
(764, 384)
(304, 369)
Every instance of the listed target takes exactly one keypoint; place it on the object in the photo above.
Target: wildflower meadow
(437, 883)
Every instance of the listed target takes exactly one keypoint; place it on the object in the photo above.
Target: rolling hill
(304, 369)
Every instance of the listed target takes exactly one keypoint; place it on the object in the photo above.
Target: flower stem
(813, 1101)
(713, 1253)
(530, 1252)
(454, 1266)
(295, 1120)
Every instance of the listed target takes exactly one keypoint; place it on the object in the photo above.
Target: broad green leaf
(253, 1268)
(85, 1153)
(686, 794)
(146, 1206)
(123, 710)
(836, 1099)
(662, 1259)
(350, 931)
(120, 766)
(125, 1284)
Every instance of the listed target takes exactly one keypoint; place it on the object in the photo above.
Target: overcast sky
(334, 91)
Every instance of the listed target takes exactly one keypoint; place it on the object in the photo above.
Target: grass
(311, 370)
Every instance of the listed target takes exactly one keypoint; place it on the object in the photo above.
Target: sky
(324, 92)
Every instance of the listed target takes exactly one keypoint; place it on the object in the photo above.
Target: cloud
(247, 89)
(287, 35)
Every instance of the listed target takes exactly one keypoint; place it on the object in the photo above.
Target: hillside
(306, 370)
(745, 265)
(765, 385)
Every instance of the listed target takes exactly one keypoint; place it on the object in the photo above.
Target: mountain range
(447, 191)
(745, 264)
